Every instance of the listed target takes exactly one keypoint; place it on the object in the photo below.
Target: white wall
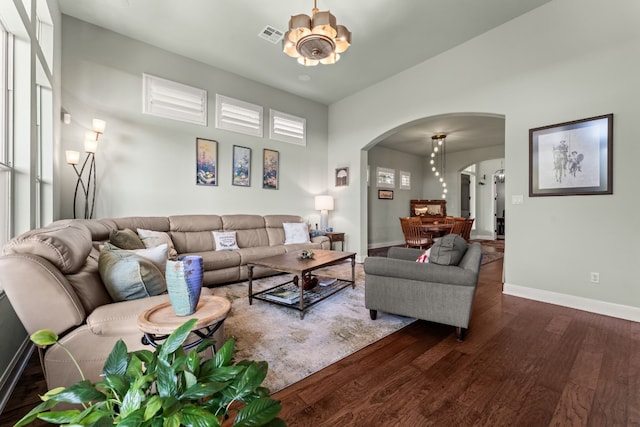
(146, 164)
(383, 215)
(566, 60)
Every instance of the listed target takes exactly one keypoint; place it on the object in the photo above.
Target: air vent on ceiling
(271, 34)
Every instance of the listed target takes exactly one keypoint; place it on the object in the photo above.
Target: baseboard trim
(593, 306)
(15, 369)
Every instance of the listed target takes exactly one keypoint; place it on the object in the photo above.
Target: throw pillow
(126, 239)
(152, 238)
(425, 256)
(128, 276)
(448, 250)
(225, 240)
(157, 255)
(295, 232)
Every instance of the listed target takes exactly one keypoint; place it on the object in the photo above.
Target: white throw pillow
(151, 239)
(225, 240)
(295, 232)
(157, 254)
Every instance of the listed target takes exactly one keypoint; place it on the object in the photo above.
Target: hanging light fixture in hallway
(438, 160)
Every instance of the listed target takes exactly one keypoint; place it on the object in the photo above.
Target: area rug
(295, 348)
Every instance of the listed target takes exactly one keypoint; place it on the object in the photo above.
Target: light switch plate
(517, 199)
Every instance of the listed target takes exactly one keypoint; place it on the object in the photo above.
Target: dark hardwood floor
(523, 363)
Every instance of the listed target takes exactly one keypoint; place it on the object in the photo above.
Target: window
(405, 180)
(173, 100)
(238, 116)
(288, 128)
(6, 153)
(386, 178)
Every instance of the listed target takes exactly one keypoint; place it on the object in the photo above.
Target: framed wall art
(206, 162)
(342, 177)
(241, 166)
(385, 194)
(270, 169)
(572, 158)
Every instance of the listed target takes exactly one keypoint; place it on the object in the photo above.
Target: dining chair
(466, 231)
(414, 237)
(458, 226)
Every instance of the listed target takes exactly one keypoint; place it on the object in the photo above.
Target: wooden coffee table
(302, 269)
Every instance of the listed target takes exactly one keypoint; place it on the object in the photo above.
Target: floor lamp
(86, 176)
(324, 204)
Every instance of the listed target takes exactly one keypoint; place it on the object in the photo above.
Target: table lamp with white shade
(324, 204)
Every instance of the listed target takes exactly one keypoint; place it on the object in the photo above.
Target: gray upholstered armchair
(432, 291)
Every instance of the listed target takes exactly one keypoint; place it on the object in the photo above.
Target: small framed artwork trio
(207, 172)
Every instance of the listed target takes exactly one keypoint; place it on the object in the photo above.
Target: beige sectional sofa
(51, 278)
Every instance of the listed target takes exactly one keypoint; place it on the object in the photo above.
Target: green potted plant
(163, 388)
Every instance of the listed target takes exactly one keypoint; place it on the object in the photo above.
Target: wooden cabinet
(429, 210)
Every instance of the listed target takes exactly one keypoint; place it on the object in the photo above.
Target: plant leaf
(116, 363)
(172, 421)
(80, 392)
(193, 362)
(44, 337)
(117, 383)
(134, 419)
(205, 344)
(258, 412)
(225, 373)
(131, 402)
(167, 383)
(200, 390)
(60, 417)
(175, 340)
(197, 417)
(225, 354)
(152, 406)
(32, 414)
(250, 379)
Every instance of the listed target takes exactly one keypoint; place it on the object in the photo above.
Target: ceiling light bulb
(433, 154)
(435, 149)
(431, 161)
(444, 191)
(444, 196)
(439, 142)
(444, 184)
(433, 169)
(441, 179)
(437, 173)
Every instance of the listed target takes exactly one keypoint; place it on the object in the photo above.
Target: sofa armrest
(408, 254)
(40, 294)
(417, 271)
(121, 318)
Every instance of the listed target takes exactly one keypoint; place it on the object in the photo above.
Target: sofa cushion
(66, 244)
(157, 254)
(126, 239)
(225, 240)
(448, 250)
(295, 232)
(152, 238)
(129, 276)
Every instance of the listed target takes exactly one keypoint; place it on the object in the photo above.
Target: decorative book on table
(287, 296)
(326, 281)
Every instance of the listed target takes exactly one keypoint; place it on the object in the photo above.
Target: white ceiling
(387, 37)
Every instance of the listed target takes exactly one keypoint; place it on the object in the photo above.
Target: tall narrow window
(6, 153)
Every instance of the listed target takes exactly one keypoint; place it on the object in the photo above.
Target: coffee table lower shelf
(311, 296)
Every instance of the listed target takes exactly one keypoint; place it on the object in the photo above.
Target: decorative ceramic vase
(184, 283)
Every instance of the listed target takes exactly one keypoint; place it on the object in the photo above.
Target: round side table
(158, 322)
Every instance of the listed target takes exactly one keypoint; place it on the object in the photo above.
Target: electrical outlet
(595, 277)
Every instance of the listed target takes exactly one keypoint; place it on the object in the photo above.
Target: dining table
(437, 229)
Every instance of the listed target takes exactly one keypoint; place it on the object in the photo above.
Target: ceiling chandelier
(438, 160)
(316, 39)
